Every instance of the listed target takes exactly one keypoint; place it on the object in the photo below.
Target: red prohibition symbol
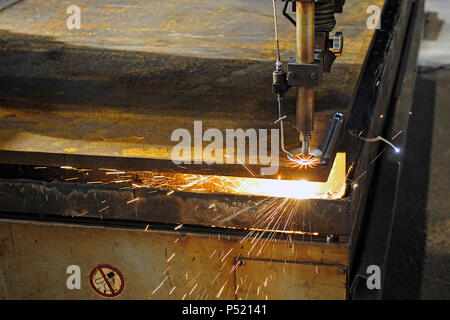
(106, 281)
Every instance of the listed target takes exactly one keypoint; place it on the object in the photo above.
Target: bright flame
(306, 162)
(334, 188)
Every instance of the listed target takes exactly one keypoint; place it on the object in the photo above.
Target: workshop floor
(435, 273)
(426, 168)
(435, 52)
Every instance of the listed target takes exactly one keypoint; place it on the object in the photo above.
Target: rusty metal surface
(120, 86)
(34, 257)
(220, 210)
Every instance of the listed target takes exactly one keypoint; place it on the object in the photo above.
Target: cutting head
(313, 159)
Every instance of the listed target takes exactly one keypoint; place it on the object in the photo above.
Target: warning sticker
(106, 280)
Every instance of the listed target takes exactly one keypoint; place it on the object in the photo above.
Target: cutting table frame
(58, 204)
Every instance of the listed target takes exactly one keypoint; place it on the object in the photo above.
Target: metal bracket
(286, 15)
(305, 75)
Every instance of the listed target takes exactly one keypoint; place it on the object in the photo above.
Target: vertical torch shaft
(305, 54)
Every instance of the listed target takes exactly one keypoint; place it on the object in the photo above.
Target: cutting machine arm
(315, 54)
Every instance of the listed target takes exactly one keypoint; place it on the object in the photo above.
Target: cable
(376, 139)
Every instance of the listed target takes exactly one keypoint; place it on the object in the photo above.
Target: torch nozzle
(305, 139)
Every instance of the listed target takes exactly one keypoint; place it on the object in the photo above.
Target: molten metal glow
(334, 188)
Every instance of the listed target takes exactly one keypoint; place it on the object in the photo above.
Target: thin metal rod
(279, 68)
(275, 21)
(283, 148)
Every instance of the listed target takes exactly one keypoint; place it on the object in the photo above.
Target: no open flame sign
(106, 281)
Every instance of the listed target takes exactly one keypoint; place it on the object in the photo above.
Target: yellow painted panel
(34, 257)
